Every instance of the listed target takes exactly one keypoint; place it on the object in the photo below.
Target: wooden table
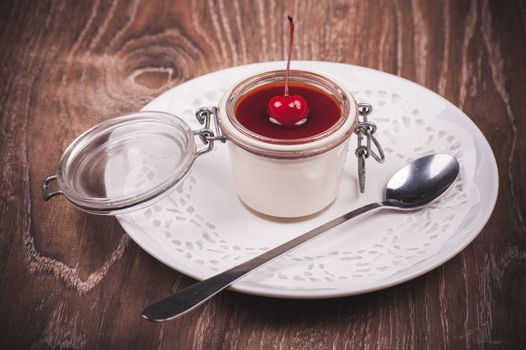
(73, 280)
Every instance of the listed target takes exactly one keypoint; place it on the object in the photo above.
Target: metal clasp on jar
(208, 136)
(366, 129)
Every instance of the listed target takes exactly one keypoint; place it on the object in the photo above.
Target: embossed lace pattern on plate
(205, 229)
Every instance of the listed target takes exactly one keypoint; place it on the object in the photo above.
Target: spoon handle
(196, 294)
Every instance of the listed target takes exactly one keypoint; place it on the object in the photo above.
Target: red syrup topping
(288, 110)
(251, 112)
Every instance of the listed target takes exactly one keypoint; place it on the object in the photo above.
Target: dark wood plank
(71, 280)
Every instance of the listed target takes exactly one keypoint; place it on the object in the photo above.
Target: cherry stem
(291, 40)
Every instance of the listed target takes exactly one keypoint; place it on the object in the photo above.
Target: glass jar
(288, 177)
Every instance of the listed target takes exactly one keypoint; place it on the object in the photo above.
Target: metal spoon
(412, 187)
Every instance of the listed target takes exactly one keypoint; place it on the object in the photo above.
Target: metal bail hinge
(366, 129)
(208, 136)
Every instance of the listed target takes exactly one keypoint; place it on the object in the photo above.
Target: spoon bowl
(422, 181)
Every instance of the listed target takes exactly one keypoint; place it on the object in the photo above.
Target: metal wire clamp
(208, 136)
(366, 129)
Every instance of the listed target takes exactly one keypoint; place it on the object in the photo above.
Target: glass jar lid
(125, 163)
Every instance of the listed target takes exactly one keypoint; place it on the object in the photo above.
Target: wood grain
(72, 280)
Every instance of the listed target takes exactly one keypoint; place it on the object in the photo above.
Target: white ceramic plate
(202, 228)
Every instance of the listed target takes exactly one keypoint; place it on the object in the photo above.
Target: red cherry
(288, 110)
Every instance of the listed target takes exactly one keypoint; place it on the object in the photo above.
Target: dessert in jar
(288, 151)
(287, 171)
